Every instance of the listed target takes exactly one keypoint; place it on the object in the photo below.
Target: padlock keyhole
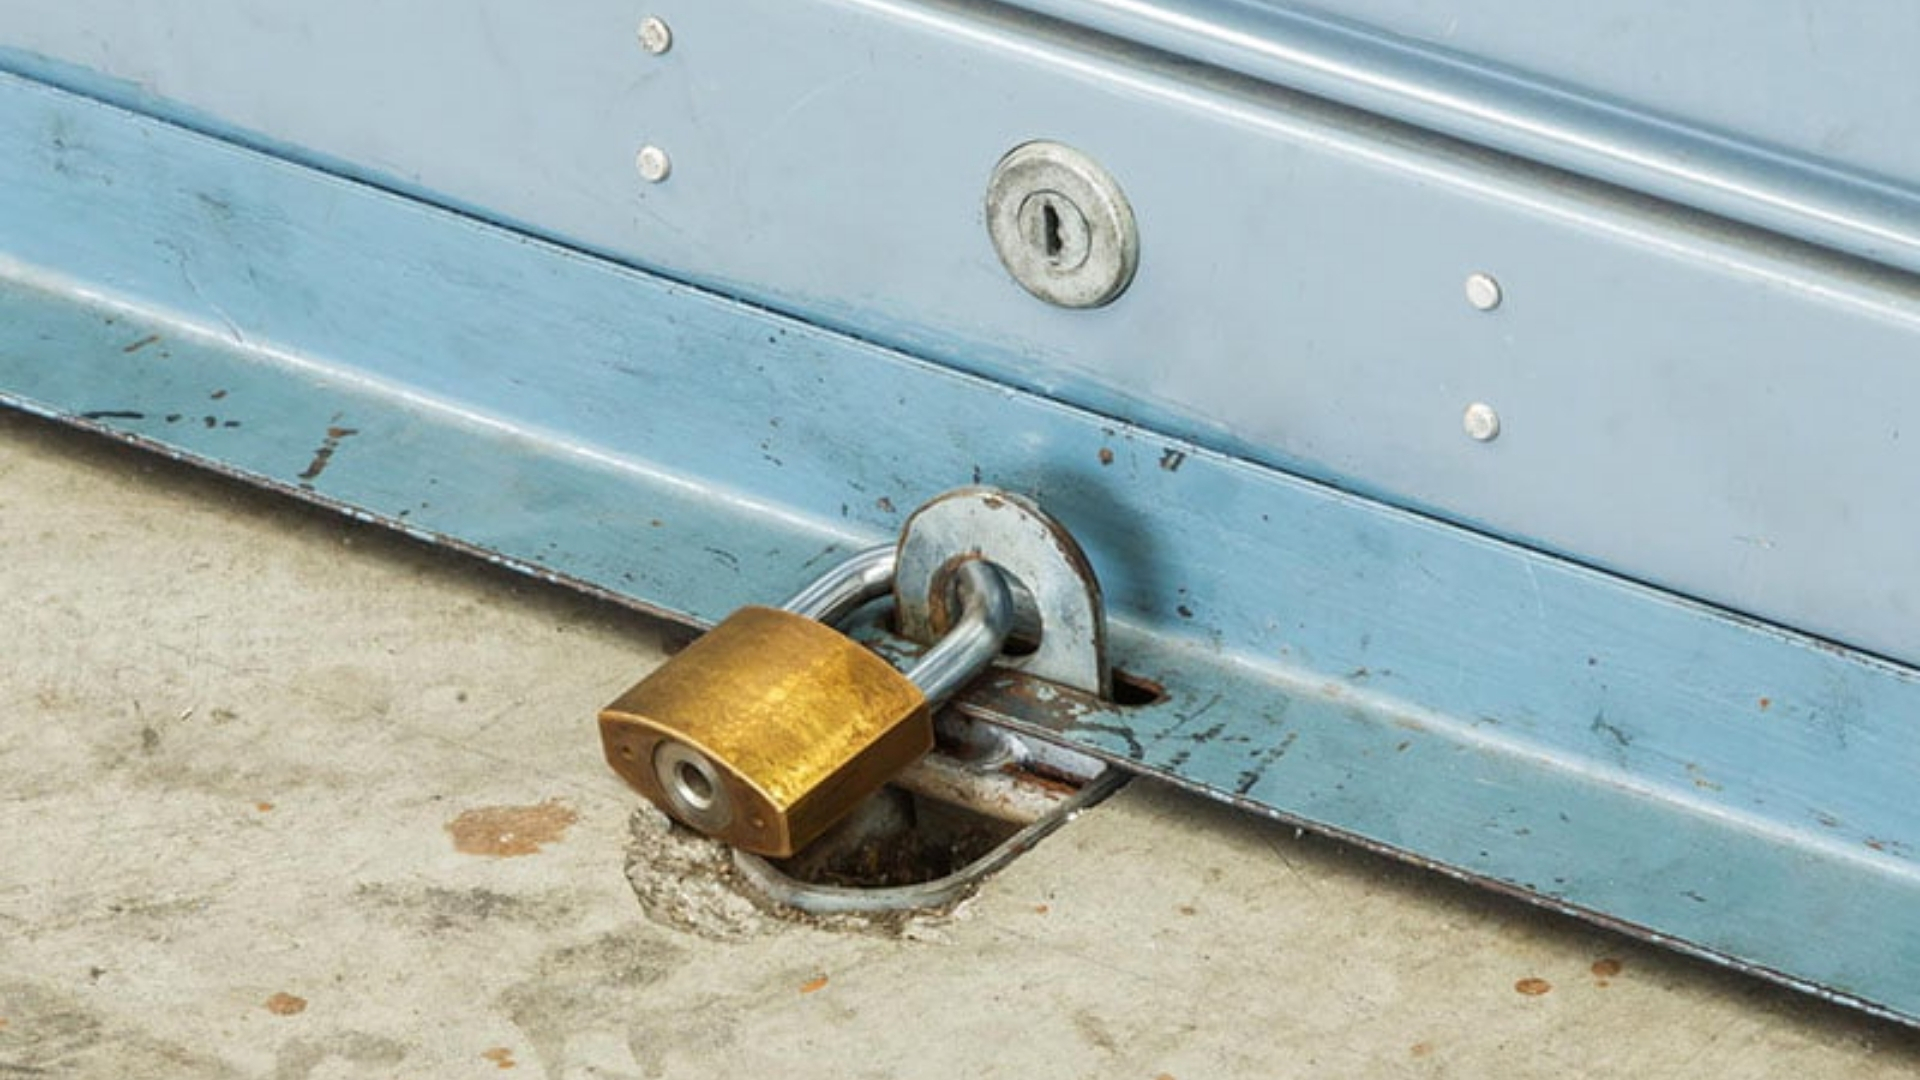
(695, 786)
(1054, 244)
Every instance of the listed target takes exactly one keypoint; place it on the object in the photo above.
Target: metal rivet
(655, 35)
(654, 164)
(1482, 424)
(1483, 291)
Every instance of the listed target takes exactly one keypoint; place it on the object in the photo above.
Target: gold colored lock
(772, 726)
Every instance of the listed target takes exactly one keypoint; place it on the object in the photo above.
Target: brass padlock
(772, 726)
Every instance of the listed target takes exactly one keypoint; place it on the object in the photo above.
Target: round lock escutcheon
(1061, 226)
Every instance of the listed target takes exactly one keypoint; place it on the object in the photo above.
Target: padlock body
(799, 722)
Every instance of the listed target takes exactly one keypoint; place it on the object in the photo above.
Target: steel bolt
(654, 164)
(655, 35)
(1483, 292)
(1482, 424)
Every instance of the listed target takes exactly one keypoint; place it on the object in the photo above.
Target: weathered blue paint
(1731, 788)
(1700, 405)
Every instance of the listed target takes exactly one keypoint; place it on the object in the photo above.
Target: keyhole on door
(1055, 232)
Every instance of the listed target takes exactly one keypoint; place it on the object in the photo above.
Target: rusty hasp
(774, 726)
(775, 730)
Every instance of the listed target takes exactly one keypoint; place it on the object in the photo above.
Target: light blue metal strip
(1814, 150)
(1598, 746)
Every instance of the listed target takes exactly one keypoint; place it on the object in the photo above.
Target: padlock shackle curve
(970, 644)
(846, 588)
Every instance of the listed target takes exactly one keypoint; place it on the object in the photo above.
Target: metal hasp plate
(1379, 458)
(1037, 785)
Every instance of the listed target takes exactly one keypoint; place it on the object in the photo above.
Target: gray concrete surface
(283, 796)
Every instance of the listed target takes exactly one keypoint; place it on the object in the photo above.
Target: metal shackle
(970, 644)
(692, 783)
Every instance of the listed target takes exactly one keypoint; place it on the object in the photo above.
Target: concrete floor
(284, 796)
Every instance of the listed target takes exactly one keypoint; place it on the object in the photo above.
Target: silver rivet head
(1482, 424)
(655, 35)
(653, 163)
(1483, 292)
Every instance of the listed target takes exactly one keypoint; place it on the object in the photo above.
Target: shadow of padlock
(773, 725)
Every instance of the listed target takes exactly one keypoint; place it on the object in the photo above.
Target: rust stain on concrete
(509, 831)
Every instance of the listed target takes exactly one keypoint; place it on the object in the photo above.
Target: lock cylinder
(773, 725)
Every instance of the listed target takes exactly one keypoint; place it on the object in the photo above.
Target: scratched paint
(323, 456)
